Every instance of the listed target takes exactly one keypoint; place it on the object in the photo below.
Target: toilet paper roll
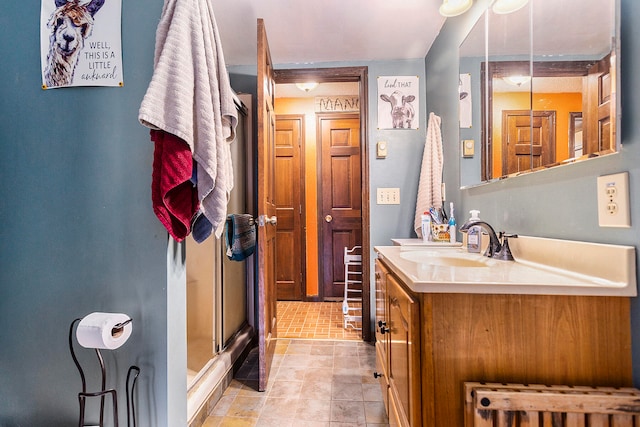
(104, 330)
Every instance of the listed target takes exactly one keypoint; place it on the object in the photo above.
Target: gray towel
(240, 235)
(190, 96)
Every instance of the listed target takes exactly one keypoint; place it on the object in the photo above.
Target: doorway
(300, 272)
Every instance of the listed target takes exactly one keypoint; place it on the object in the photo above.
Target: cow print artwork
(398, 105)
(402, 112)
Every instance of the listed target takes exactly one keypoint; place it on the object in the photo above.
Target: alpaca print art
(76, 49)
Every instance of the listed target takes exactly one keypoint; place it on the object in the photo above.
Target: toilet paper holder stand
(132, 376)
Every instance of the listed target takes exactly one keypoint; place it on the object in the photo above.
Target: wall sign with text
(337, 104)
(398, 102)
(80, 43)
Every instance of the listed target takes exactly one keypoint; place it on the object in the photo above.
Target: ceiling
(307, 32)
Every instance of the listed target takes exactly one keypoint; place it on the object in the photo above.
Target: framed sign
(80, 43)
(398, 102)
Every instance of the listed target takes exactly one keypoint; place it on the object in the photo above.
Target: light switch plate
(388, 196)
(613, 200)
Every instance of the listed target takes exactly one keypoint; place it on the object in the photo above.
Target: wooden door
(599, 108)
(527, 145)
(266, 292)
(289, 207)
(340, 196)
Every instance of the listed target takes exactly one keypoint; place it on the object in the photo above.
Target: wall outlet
(613, 200)
(388, 196)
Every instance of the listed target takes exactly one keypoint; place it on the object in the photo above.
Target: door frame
(360, 75)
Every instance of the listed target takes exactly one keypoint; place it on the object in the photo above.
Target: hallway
(314, 382)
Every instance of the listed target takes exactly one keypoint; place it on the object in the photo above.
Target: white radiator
(511, 405)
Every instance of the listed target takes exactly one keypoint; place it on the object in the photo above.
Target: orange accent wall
(562, 103)
(307, 108)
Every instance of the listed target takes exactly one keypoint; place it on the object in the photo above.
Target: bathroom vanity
(559, 314)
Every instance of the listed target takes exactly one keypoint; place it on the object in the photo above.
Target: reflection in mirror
(542, 96)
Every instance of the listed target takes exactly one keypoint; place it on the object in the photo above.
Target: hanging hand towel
(430, 184)
(240, 232)
(190, 96)
(174, 198)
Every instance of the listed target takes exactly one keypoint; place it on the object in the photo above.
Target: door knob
(328, 218)
(263, 220)
(273, 220)
(377, 375)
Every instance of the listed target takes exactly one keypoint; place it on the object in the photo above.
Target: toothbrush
(434, 215)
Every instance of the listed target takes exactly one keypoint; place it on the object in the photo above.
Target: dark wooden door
(290, 259)
(341, 196)
(266, 292)
(527, 144)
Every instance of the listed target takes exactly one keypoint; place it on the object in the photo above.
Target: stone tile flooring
(313, 383)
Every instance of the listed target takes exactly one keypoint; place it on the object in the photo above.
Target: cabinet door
(382, 341)
(404, 353)
(381, 374)
(381, 308)
(394, 419)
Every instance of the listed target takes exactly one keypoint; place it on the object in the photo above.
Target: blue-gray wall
(77, 232)
(560, 202)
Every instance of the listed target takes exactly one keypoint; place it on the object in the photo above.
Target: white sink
(445, 259)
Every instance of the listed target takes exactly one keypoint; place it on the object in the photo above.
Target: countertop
(493, 276)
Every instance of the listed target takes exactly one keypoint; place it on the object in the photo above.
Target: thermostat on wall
(468, 148)
(381, 149)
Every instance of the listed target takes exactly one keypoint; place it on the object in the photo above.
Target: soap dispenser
(474, 233)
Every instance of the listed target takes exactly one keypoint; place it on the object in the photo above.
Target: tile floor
(313, 383)
(318, 320)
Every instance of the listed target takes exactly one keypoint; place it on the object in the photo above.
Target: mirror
(542, 91)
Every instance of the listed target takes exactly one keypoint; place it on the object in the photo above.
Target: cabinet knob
(377, 375)
(383, 327)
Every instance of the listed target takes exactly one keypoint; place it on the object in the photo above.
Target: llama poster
(398, 102)
(80, 43)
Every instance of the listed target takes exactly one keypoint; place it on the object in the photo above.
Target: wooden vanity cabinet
(398, 349)
(438, 341)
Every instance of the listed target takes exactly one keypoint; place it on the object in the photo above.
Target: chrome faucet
(498, 246)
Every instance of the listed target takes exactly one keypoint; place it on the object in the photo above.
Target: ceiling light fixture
(517, 80)
(306, 87)
(502, 7)
(454, 7)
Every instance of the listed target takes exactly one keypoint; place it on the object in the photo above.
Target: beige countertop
(453, 270)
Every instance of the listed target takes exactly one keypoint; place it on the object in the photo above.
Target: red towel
(174, 196)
